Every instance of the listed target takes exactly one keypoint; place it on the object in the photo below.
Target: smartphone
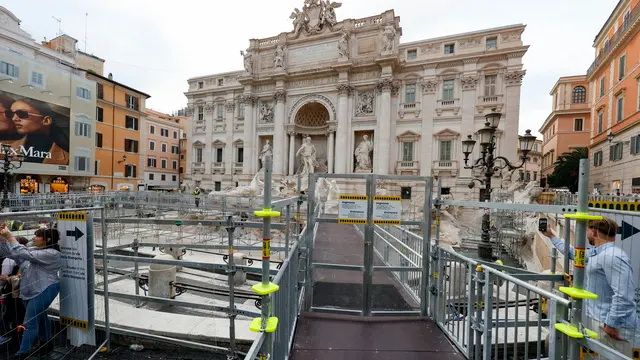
(542, 224)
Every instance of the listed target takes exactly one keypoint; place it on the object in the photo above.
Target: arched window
(579, 95)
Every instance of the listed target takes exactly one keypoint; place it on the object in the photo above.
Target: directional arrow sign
(627, 230)
(77, 234)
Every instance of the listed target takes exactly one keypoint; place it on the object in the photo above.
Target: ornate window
(447, 89)
(579, 95)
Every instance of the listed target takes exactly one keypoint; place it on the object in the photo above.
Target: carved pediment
(218, 143)
(238, 143)
(198, 143)
(447, 133)
(409, 136)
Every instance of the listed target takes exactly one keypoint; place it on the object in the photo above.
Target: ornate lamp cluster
(491, 165)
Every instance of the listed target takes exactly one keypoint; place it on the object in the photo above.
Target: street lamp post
(491, 165)
(7, 165)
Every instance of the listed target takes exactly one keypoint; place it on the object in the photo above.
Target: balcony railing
(445, 164)
(410, 107)
(411, 167)
(615, 40)
(447, 103)
(407, 164)
(490, 99)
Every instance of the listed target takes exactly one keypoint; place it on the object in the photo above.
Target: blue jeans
(36, 320)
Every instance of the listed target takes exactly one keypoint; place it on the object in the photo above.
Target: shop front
(29, 184)
(59, 185)
(97, 188)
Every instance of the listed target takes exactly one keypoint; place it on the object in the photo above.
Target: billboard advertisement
(36, 129)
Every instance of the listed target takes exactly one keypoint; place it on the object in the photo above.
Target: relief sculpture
(266, 113)
(388, 38)
(343, 46)
(278, 60)
(364, 106)
(315, 17)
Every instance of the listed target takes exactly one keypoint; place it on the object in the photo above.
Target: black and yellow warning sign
(66, 321)
(387, 198)
(352, 221)
(72, 216)
(266, 248)
(387, 222)
(353, 197)
(579, 258)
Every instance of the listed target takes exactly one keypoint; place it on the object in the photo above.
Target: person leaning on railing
(39, 285)
(608, 274)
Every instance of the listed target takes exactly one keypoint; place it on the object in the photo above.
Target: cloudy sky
(155, 46)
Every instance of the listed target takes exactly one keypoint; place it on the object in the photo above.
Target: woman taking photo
(39, 285)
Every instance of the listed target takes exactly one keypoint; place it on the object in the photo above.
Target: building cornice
(557, 113)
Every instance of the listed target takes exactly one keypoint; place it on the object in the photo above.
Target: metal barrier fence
(507, 316)
(77, 324)
(123, 203)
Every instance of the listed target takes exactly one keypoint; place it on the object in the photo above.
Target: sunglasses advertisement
(37, 130)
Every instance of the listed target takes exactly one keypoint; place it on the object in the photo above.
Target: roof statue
(315, 17)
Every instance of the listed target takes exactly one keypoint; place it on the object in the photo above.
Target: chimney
(110, 76)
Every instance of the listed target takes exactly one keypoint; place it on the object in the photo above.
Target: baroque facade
(368, 102)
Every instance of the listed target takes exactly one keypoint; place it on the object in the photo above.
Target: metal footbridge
(359, 285)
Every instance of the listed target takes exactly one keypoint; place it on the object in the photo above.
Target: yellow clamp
(573, 332)
(582, 216)
(265, 289)
(256, 325)
(578, 293)
(266, 212)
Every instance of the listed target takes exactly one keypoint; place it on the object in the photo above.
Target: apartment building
(161, 150)
(568, 126)
(531, 169)
(120, 113)
(43, 86)
(614, 77)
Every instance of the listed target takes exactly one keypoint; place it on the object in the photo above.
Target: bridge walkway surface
(322, 336)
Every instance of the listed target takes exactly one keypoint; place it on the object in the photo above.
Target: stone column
(429, 87)
(342, 134)
(292, 152)
(383, 128)
(510, 121)
(229, 157)
(330, 152)
(278, 133)
(468, 86)
(249, 131)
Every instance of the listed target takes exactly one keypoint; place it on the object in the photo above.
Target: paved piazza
(350, 97)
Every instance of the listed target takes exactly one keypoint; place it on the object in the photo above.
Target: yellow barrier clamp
(266, 213)
(582, 216)
(256, 325)
(578, 293)
(573, 332)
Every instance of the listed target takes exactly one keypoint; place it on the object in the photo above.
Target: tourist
(39, 285)
(609, 275)
(13, 307)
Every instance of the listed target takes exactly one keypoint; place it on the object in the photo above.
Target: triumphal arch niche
(313, 116)
(313, 83)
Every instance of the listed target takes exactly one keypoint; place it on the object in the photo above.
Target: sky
(155, 46)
